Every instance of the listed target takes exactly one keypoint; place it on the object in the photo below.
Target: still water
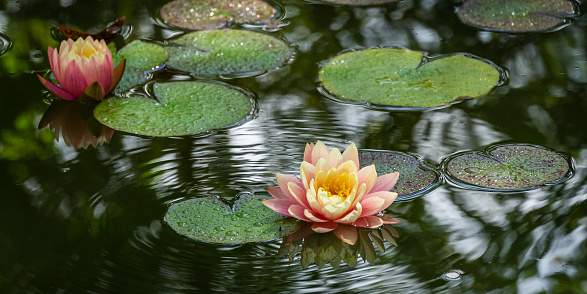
(92, 220)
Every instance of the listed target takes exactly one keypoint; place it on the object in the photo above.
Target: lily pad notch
(212, 221)
(399, 79)
(417, 177)
(507, 168)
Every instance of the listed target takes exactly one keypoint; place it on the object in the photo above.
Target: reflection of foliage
(327, 248)
(24, 141)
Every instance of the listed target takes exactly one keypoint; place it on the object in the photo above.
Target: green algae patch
(517, 16)
(141, 58)
(227, 52)
(181, 108)
(415, 177)
(216, 14)
(389, 77)
(212, 221)
(508, 167)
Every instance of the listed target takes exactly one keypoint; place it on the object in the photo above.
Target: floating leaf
(415, 177)
(209, 15)
(141, 55)
(183, 108)
(106, 34)
(360, 2)
(226, 52)
(384, 77)
(511, 167)
(210, 220)
(516, 15)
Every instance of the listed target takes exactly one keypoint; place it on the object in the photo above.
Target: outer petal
(276, 193)
(388, 197)
(56, 90)
(308, 152)
(299, 193)
(324, 227)
(117, 75)
(371, 222)
(314, 217)
(388, 220)
(351, 153)
(334, 158)
(297, 211)
(280, 206)
(372, 206)
(73, 80)
(368, 175)
(283, 181)
(347, 234)
(307, 173)
(320, 151)
(385, 182)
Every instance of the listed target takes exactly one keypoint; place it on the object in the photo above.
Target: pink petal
(324, 227)
(283, 181)
(73, 80)
(56, 90)
(299, 193)
(370, 221)
(351, 153)
(347, 234)
(368, 175)
(314, 216)
(388, 197)
(385, 182)
(307, 173)
(279, 205)
(372, 206)
(297, 211)
(54, 62)
(276, 193)
(320, 151)
(308, 152)
(334, 158)
(388, 220)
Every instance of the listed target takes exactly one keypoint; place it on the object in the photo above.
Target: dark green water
(91, 220)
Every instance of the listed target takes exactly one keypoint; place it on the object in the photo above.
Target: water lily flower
(83, 69)
(334, 194)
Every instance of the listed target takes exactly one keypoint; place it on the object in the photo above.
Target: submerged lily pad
(508, 167)
(415, 177)
(215, 14)
(389, 77)
(516, 15)
(227, 52)
(183, 108)
(141, 58)
(210, 220)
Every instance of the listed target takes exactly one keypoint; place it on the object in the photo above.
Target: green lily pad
(391, 78)
(360, 2)
(511, 167)
(227, 52)
(415, 177)
(141, 58)
(183, 108)
(210, 220)
(215, 14)
(516, 15)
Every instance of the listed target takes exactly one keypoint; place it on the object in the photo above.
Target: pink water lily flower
(83, 69)
(334, 194)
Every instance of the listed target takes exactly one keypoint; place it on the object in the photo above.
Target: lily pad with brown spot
(508, 168)
(212, 221)
(215, 14)
(416, 178)
(517, 16)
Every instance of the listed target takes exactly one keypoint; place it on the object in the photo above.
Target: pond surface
(92, 220)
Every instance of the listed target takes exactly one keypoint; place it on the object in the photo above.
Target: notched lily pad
(210, 220)
(209, 15)
(227, 52)
(517, 15)
(391, 78)
(141, 58)
(415, 177)
(508, 167)
(181, 108)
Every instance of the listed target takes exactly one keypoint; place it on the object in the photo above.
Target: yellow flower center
(338, 185)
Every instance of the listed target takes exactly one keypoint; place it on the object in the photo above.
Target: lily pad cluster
(517, 16)
(416, 177)
(392, 78)
(180, 108)
(215, 14)
(210, 220)
(503, 168)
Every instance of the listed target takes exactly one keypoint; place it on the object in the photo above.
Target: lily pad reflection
(212, 221)
(508, 167)
(215, 14)
(415, 177)
(517, 15)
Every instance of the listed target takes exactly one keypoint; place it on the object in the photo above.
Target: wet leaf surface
(106, 34)
(141, 58)
(512, 167)
(210, 220)
(416, 178)
(183, 108)
(516, 15)
(396, 78)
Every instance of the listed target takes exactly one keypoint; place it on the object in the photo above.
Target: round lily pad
(507, 167)
(415, 177)
(215, 14)
(181, 108)
(210, 220)
(227, 52)
(360, 2)
(517, 15)
(141, 55)
(391, 78)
